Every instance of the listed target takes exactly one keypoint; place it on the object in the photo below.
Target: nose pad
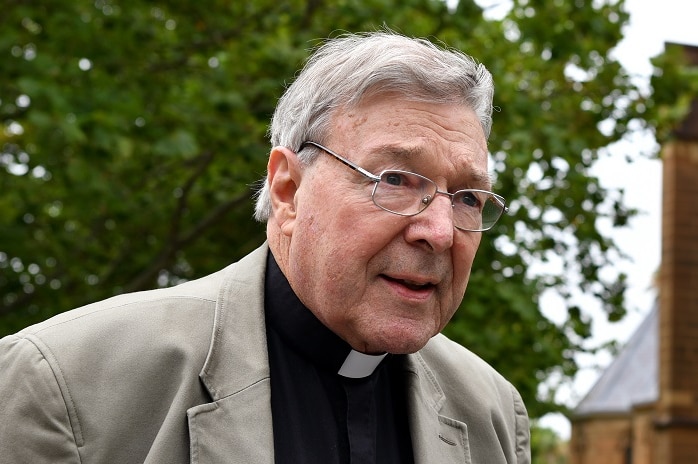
(427, 199)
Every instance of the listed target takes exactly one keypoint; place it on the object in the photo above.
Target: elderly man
(323, 345)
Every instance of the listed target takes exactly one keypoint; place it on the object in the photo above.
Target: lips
(411, 284)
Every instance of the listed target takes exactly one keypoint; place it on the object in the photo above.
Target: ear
(284, 177)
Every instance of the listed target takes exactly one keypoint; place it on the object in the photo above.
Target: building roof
(632, 378)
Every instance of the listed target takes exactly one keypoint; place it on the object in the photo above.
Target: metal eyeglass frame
(426, 200)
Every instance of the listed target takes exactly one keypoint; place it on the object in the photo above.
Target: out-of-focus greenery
(132, 132)
(547, 447)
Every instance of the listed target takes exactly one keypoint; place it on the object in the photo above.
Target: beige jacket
(181, 375)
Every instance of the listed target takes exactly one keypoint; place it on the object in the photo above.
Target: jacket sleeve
(35, 425)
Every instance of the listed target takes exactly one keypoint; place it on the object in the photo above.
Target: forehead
(434, 139)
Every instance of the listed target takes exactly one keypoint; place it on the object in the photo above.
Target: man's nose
(434, 225)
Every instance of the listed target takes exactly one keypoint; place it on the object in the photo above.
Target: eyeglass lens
(408, 194)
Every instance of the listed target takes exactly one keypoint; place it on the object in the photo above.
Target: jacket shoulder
(176, 301)
(474, 393)
(125, 367)
(460, 371)
(131, 332)
(451, 358)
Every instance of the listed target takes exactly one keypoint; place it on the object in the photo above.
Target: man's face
(380, 281)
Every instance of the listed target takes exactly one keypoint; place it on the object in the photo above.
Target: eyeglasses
(407, 194)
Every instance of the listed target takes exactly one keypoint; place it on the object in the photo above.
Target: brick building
(644, 408)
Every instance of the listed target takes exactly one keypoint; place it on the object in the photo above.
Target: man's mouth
(412, 285)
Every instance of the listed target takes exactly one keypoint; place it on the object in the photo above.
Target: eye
(470, 199)
(394, 178)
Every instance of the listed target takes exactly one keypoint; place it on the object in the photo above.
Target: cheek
(319, 252)
(463, 256)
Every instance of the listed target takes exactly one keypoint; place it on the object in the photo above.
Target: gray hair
(345, 70)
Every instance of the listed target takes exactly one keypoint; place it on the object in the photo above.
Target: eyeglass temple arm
(345, 161)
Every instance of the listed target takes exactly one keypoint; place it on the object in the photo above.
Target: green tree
(133, 132)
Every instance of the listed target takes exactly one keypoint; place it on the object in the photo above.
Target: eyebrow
(478, 179)
(481, 180)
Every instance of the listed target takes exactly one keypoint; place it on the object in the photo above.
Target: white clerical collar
(358, 365)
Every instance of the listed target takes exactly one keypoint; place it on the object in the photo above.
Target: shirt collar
(304, 333)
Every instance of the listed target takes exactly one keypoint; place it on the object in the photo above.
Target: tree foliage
(133, 132)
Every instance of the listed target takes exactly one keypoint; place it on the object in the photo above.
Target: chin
(391, 335)
(399, 344)
(408, 349)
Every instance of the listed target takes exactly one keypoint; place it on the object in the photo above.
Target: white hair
(347, 69)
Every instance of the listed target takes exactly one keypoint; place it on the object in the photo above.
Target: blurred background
(134, 132)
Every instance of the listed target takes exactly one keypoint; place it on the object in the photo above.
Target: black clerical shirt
(320, 416)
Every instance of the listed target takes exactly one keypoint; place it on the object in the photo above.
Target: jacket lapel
(435, 438)
(236, 427)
